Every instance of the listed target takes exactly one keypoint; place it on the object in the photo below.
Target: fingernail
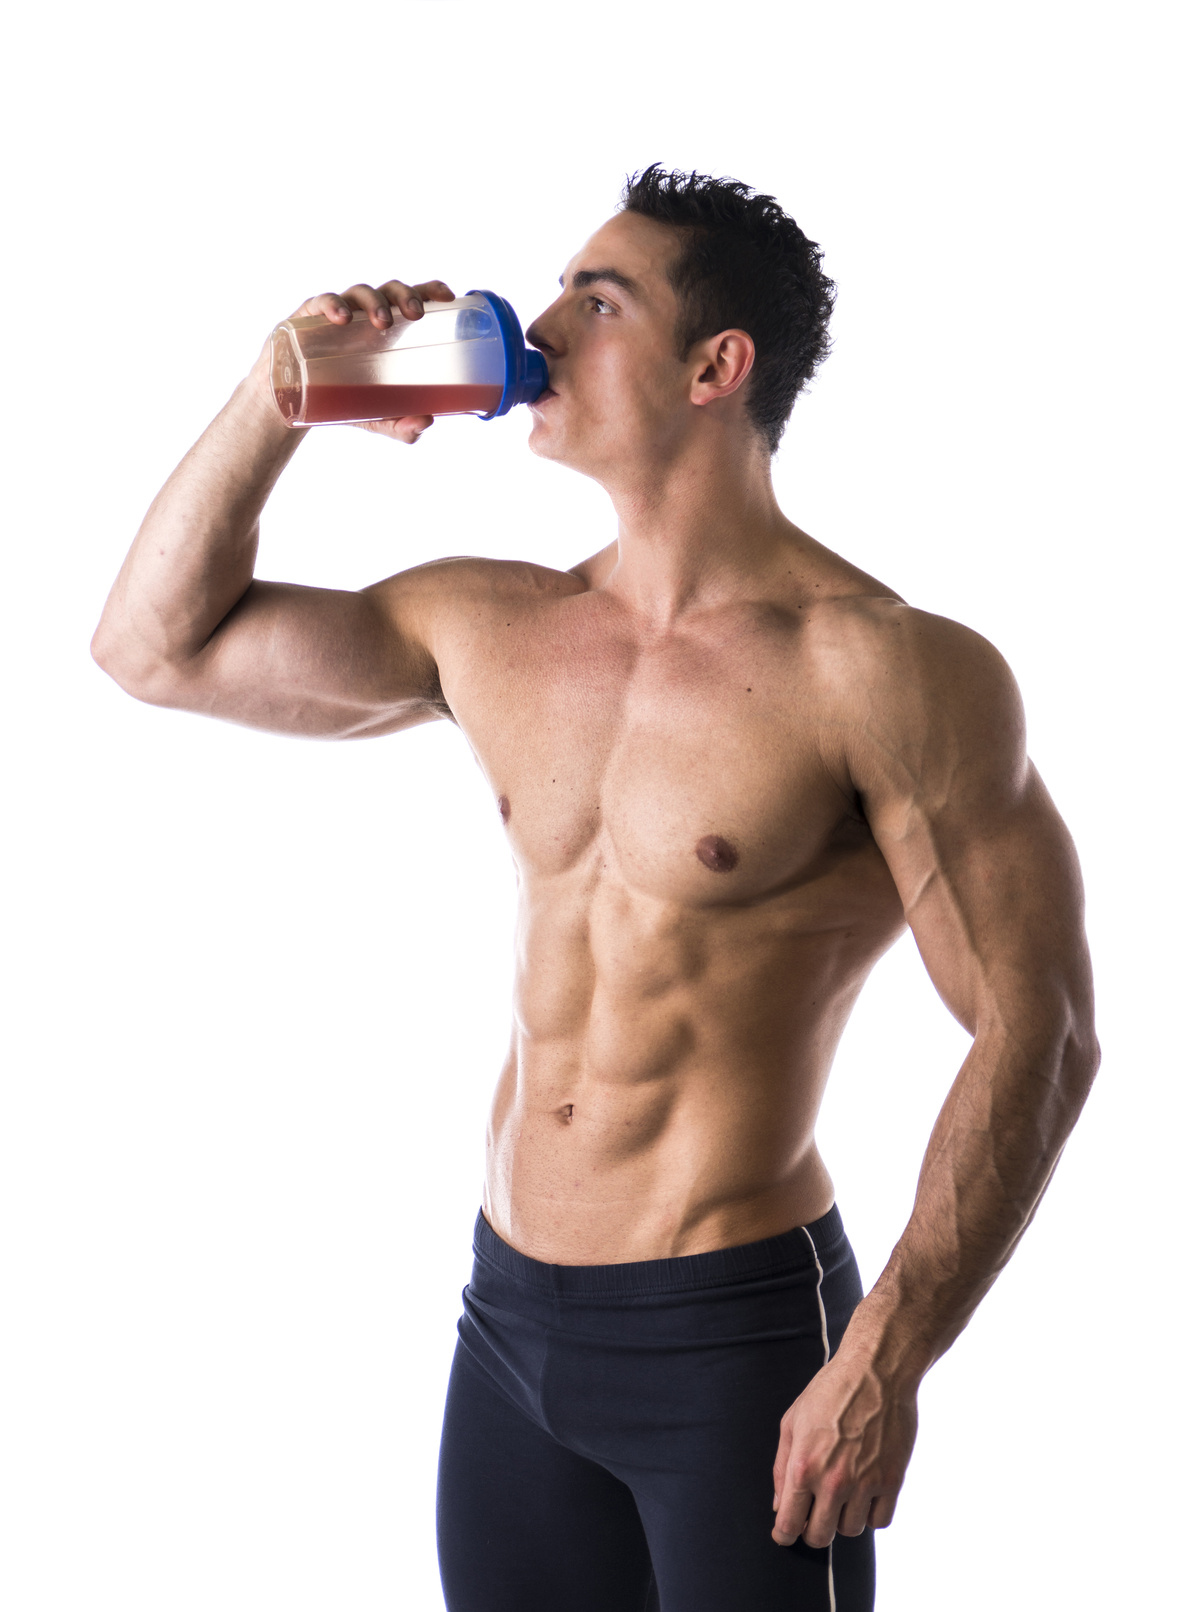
(415, 304)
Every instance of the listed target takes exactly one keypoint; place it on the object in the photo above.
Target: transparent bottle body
(450, 361)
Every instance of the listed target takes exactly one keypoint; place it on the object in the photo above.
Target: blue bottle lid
(525, 372)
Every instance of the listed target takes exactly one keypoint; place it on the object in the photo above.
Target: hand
(845, 1444)
(377, 303)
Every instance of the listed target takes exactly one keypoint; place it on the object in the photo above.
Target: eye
(600, 305)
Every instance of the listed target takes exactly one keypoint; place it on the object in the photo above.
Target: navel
(716, 854)
(505, 807)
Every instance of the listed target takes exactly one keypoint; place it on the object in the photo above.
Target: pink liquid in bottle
(329, 403)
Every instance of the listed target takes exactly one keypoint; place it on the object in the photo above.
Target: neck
(696, 526)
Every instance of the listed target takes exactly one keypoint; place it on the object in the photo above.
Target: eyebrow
(588, 277)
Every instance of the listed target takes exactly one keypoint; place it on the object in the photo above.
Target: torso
(700, 903)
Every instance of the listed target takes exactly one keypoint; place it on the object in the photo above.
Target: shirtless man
(731, 768)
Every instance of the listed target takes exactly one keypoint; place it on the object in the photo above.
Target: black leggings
(610, 1431)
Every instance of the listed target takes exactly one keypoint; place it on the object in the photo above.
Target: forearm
(193, 558)
(992, 1152)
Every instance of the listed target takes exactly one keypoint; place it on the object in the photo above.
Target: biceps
(310, 661)
(994, 899)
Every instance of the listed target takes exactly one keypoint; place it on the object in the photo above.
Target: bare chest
(688, 767)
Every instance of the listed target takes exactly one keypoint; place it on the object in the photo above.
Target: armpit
(433, 696)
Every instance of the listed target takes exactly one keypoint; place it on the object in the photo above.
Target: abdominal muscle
(667, 1063)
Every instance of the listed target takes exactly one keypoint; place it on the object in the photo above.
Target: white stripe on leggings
(826, 1357)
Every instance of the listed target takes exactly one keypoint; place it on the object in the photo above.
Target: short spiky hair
(745, 265)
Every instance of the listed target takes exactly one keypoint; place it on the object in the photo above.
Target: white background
(259, 988)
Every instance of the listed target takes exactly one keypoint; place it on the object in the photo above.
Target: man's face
(619, 391)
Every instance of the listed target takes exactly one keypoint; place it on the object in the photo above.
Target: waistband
(789, 1251)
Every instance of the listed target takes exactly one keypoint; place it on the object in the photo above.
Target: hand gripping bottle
(462, 357)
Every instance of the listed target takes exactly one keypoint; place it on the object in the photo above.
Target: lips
(543, 398)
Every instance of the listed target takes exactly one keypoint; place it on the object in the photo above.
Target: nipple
(505, 807)
(716, 853)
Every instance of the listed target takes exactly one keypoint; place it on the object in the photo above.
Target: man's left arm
(933, 746)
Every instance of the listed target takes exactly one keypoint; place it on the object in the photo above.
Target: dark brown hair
(745, 265)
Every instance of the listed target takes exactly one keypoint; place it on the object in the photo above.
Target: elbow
(103, 649)
(1055, 1041)
(108, 650)
(1086, 1058)
(144, 678)
(1070, 1037)
(1080, 1058)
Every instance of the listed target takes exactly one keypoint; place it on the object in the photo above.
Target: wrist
(254, 399)
(254, 389)
(890, 1341)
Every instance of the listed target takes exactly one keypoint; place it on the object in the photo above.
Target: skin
(731, 768)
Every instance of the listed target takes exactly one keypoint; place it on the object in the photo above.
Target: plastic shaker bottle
(462, 357)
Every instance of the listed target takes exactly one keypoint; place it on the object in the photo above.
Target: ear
(720, 364)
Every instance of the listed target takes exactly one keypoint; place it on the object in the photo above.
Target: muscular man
(731, 768)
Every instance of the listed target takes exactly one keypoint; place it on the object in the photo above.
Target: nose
(534, 338)
(542, 333)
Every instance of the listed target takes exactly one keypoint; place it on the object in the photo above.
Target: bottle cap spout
(525, 372)
(536, 376)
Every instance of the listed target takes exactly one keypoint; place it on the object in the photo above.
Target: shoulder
(432, 603)
(913, 697)
(857, 631)
(466, 577)
(873, 649)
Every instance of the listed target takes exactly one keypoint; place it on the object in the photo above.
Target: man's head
(698, 294)
(743, 262)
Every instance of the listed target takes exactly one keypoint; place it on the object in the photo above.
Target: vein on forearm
(992, 1152)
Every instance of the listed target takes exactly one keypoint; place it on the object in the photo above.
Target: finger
(824, 1519)
(782, 1461)
(411, 427)
(792, 1515)
(330, 304)
(853, 1519)
(404, 298)
(366, 299)
(882, 1510)
(435, 291)
(407, 429)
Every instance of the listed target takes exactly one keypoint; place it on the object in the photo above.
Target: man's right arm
(186, 624)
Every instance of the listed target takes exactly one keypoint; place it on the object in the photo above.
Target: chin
(556, 441)
(544, 441)
(537, 440)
